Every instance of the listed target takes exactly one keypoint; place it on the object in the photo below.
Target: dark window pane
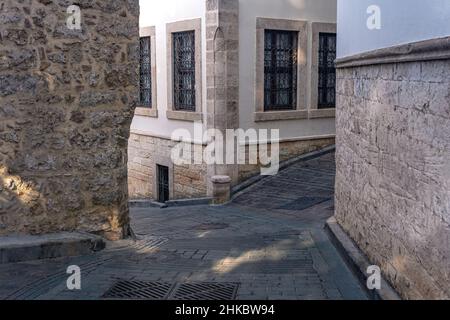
(145, 79)
(327, 71)
(184, 70)
(280, 70)
(163, 183)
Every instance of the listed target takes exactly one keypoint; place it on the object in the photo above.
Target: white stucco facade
(156, 13)
(307, 10)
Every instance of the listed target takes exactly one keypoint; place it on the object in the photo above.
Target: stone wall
(190, 181)
(66, 103)
(288, 150)
(222, 75)
(393, 167)
(145, 152)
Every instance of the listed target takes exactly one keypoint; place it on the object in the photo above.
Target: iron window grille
(163, 183)
(145, 79)
(327, 71)
(184, 70)
(280, 70)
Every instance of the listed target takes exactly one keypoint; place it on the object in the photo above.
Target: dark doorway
(163, 183)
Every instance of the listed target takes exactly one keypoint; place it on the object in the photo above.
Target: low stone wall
(393, 167)
(189, 181)
(66, 104)
(144, 153)
(288, 150)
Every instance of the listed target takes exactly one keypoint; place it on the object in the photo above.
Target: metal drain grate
(139, 290)
(206, 291)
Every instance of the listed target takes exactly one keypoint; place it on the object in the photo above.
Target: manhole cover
(303, 203)
(211, 226)
(206, 291)
(139, 290)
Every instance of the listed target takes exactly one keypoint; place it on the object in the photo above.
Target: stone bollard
(221, 189)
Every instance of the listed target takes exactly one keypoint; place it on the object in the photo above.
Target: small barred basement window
(280, 70)
(163, 183)
(184, 70)
(327, 71)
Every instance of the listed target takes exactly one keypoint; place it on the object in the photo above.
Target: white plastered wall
(158, 13)
(309, 10)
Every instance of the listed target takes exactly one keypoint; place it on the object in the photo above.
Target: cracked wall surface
(393, 170)
(67, 98)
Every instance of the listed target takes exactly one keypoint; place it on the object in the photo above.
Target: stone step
(25, 248)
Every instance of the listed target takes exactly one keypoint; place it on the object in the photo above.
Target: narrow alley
(268, 243)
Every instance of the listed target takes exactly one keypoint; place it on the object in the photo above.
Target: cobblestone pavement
(268, 243)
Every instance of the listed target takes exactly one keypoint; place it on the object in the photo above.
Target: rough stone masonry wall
(144, 153)
(393, 171)
(66, 103)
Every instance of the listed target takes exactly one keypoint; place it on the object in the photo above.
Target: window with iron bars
(163, 183)
(327, 71)
(145, 78)
(184, 70)
(280, 70)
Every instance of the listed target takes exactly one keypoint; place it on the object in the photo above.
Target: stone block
(221, 189)
(24, 248)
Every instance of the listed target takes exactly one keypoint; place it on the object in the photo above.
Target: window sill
(281, 115)
(322, 113)
(184, 115)
(146, 112)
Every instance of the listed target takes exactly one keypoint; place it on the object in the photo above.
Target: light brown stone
(67, 98)
(186, 181)
(393, 169)
(221, 189)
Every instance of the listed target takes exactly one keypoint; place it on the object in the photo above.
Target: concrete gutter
(357, 261)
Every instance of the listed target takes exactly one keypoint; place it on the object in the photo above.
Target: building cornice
(434, 49)
(241, 143)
